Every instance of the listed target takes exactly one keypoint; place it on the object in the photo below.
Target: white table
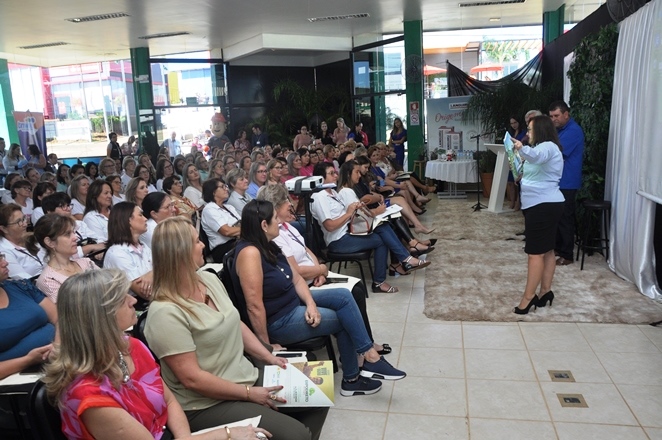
(453, 172)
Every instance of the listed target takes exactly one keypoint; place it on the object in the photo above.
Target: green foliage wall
(592, 79)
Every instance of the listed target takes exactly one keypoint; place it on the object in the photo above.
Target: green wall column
(7, 123)
(552, 24)
(414, 47)
(142, 90)
(378, 104)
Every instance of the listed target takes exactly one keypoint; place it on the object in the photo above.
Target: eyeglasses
(225, 187)
(177, 182)
(277, 168)
(109, 165)
(261, 171)
(332, 172)
(66, 207)
(23, 219)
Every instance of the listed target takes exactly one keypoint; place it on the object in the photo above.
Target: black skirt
(541, 222)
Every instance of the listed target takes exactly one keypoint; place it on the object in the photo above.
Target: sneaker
(381, 370)
(361, 387)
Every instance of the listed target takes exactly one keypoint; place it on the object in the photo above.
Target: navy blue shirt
(571, 136)
(24, 324)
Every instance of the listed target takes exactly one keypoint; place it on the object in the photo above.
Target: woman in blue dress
(398, 139)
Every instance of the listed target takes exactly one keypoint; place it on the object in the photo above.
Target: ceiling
(246, 32)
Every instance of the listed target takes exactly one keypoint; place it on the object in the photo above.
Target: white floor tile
(654, 433)
(633, 368)
(494, 429)
(341, 424)
(553, 337)
(574, 431)
(410, 426)
(499, 365)
(431, 396)
(645, 401)
(617, 338)
(432, 362)
(433, 334)
(506, 400)
(584, 366)
(504, 337)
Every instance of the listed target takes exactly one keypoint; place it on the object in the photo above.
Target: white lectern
(500, 181)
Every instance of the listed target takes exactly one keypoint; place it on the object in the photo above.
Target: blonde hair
(131, 188)
(172, 249)
(90, 338)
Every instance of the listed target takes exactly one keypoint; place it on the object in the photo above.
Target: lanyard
(287, 229)
(230, 212)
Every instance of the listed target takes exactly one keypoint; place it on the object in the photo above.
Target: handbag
(361, 222)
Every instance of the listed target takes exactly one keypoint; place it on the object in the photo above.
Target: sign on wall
(31, 130)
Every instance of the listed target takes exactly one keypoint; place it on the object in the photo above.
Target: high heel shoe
(406, 265)
(397, 270)
(415, 251)
(542, 301)
(423, 200)
(525, 310)
(377, 288)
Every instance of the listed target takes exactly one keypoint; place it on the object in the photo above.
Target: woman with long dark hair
(542, 204)
(97, 209)
(397, 139)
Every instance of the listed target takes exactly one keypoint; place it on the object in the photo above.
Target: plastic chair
(45, 421)
(232, 284)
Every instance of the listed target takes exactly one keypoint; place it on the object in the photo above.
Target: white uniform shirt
(213, 218)
(98, 226)
(329, 206)
(22, 264)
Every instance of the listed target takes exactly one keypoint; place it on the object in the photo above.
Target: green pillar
(378, 103)
(552, 24)
(7, 123)
(142, 90)
(414, 65)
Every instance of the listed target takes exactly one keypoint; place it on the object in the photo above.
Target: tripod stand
(478, 206)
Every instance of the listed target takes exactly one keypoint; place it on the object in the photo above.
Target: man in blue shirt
(571, 136)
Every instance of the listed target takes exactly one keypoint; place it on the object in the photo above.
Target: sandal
(415, 251)
(396, 270)
(377, 288)
(386, 349)
(406, 265)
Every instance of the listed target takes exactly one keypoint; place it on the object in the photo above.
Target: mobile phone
(336, 280)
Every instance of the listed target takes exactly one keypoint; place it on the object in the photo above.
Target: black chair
(320, 249)
(232, 284)
(44, 418)
(94, 256)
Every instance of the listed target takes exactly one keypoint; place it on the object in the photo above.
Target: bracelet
(227, 431)
(248, 393)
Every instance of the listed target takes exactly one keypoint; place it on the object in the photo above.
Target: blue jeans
(340, 317)
(381, 241)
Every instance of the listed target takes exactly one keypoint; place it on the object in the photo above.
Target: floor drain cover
(561, 376)
(572, 401)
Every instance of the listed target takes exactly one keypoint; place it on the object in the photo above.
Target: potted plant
(486, 165)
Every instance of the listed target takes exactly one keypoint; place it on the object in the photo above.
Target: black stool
(588, 241)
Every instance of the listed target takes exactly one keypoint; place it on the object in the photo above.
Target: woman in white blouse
(79, 187)
(26, 259)
(156, 207)
(97, 209)
(115, 182)
(126, 252)
(237, 180)
(220, 221)
(192, 185)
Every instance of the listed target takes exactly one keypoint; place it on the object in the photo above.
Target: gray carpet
(478, 273)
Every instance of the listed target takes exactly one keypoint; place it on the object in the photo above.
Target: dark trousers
(565, 234)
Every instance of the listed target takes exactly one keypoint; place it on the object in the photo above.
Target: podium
(500, 181)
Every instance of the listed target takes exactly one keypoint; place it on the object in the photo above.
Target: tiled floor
(491, 381)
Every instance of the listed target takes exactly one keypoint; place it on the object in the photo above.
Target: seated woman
(144, 173)
(304, 261)
(274, 171)
(125, 225)
(257, 178)
(136, 190)
(173, 187)
(128, 168)
(193, 185)
(221, 222)
(56, 234)
(194, 329)
(27, 324)
(334, 215)
(43, 189)
(25, 260)
(156, 207)
(78, 189)
(164, 169)
(237, 181)
(21, 193)
(104, 396)
(115, 182)
(282, 310)
(97, 209)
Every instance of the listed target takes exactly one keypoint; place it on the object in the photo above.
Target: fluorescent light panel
(163, 35)
(338, 17)
(490, 3)
(40, 46)
(98, 17)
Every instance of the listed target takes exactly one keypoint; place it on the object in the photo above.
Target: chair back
(45, 421)
(204, 239)
(230, 280)
(318, 245)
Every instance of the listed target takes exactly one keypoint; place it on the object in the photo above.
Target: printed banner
(446, 130)
(31, 130)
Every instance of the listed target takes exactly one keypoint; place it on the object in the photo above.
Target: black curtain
(461, 84)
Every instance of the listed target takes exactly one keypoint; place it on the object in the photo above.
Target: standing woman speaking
(397, 140)
(542, 205)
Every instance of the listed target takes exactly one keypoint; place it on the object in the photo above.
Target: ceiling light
(98, 17)
(163, 35)
(338, 17)
(495, 19)
(39, 46)
(490, 3)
